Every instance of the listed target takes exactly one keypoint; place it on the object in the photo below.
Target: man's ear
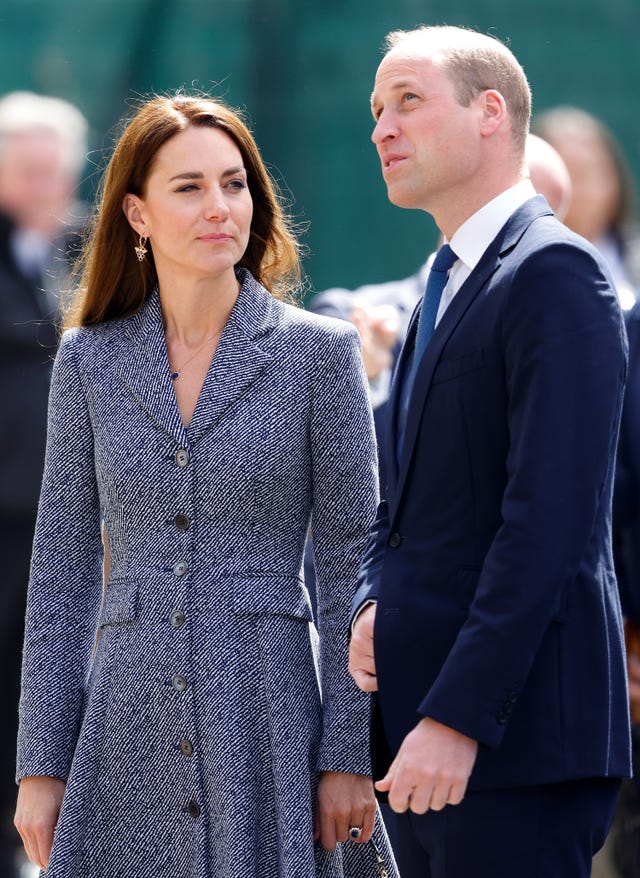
(132, 208)
(494, 112)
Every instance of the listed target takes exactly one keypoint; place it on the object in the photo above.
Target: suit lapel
(490, 262)
(398, 377)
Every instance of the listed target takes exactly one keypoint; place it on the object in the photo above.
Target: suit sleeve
(564, 352)
(345, 490)
(370, 569)
(65, 582)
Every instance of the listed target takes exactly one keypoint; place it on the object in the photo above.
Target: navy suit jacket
(491, 561)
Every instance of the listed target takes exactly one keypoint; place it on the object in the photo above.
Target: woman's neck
(193, 312)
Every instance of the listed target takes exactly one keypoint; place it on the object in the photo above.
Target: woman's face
(196, 208)
(595, 197)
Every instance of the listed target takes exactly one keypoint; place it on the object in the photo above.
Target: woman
(198, 421)
(602, 204)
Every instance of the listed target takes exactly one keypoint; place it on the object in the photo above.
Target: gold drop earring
(141, 250)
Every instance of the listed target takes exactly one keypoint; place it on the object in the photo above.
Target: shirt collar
(474, 236)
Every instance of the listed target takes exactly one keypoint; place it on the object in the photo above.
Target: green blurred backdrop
(304, 71)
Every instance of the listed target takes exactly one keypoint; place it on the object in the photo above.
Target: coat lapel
(239, 360)
(490, 262)
(143, 367)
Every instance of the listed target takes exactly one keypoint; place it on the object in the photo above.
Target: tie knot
(445, 257)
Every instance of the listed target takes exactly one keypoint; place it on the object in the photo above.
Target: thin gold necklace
(175, 373)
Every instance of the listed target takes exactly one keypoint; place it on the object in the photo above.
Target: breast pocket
(450, 368)
(120, 603)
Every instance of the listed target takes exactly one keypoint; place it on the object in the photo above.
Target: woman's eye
(189, 187)
(237, 184)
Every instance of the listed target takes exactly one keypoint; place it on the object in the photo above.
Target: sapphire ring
(355, 832)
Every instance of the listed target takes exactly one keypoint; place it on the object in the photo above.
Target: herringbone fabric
(192, 733)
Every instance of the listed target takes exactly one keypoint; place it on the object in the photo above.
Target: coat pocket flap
(120, 602)
(266, 594)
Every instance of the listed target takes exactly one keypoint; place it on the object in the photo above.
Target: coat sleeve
(345, 491)
(564, 350)
(65, 583)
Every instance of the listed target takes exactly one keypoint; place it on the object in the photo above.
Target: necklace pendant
(174, 376)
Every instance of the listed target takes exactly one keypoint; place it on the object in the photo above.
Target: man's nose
(384, 128)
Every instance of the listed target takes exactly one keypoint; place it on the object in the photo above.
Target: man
(42, 152)
(487, 617)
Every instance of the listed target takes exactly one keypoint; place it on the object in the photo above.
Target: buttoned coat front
(185, 703)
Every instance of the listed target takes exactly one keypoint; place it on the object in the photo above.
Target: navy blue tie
(436, 282)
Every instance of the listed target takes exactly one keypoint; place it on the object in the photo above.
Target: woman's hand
(344, 800)
(39, 803)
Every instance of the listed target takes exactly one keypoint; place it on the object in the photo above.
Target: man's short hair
(474, 63)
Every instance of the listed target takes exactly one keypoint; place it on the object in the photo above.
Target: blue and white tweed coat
(191, 733)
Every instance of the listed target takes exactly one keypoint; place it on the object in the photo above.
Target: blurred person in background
(603, 210)
(621, 857)
(602, 206)
(43, 145)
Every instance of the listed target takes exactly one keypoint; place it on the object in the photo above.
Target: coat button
(193, 808)
(177, 618)
(182, 457)
(186, 747)
(180, 568)
(394, 540)
(179, 682)
(181, 521)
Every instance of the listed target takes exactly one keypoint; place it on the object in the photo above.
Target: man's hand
(431, 769)
(362, 665)
(344, 800)
(39, 803)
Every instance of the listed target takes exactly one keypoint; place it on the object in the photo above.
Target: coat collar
(490, 262)
(143, 365)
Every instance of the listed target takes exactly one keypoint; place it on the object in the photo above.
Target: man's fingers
(364, 681)
(439, 798)
(457, 792)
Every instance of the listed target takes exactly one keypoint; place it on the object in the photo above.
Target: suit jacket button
(182, 457)
(182, 522)
(193, 808)
(394, 540)
(186, 747)
(180, 568)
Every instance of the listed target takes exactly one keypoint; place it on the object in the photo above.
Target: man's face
(35, 184)
(428, 143)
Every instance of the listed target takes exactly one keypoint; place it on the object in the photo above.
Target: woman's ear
(132, 208)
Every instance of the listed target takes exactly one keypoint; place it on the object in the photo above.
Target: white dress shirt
(474, 236)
